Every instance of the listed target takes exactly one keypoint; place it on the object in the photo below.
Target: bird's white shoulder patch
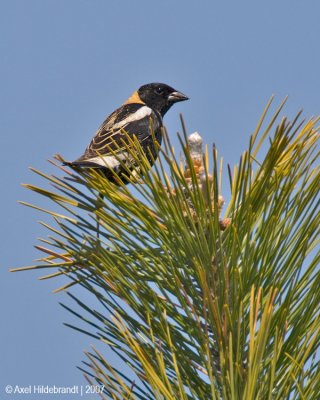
(136, 116)
(141, 113)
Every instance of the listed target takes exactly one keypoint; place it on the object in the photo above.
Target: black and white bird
(141, 116)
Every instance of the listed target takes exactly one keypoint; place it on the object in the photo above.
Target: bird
(140, 116)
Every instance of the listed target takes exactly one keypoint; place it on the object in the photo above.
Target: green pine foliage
(198, 306)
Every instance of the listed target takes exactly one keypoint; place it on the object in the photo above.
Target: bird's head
(159, 96)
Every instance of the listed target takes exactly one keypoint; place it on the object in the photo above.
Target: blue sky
(66, 64)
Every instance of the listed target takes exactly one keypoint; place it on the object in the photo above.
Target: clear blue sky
(66, 64)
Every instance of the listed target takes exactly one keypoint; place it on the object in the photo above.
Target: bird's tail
(81, 164)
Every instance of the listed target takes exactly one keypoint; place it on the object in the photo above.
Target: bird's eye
(159, 90)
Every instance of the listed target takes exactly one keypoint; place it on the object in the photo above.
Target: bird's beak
(177, 96)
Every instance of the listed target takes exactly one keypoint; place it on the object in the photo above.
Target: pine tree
(197, 306)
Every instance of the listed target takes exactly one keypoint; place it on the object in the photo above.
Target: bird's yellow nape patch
(134, 98)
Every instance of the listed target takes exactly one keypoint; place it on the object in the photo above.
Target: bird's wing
(134, 119)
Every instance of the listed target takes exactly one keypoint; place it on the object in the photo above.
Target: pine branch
(197, 306)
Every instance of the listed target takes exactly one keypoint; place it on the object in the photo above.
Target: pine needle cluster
(196, 305)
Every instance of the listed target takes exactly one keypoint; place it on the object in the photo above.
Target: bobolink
(141, 115)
